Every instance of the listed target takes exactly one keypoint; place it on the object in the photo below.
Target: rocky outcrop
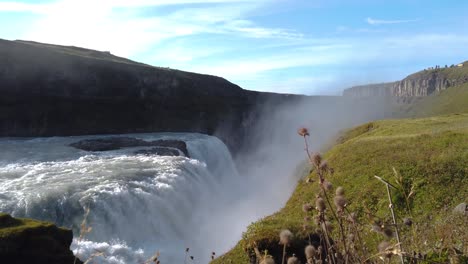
(49, 90)
(370, 90)
(114, 143)
(422, 83)
(31, 241)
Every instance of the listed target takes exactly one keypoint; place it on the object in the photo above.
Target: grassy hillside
(82, 52)
(429, 154)
(452, 100)
(454, 72)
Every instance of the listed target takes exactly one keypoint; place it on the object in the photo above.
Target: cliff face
(379, 89)
(422, 83)
(49, 90)
(31, 241)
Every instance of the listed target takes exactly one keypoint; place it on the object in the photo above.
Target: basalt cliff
(423, 83)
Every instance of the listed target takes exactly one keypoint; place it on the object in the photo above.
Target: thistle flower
(307, 207)
(324, 165)
(327, 185)
(310, 251)
(285, 237)
(340, 202)
(303, 132)
(339, 191)
(267, 260)
(320, 204)
(293, 260)
(316, 159)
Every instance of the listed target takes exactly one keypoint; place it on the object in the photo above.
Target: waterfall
(138, 204)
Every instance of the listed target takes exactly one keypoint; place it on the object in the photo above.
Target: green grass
(451, 100)
(450, 73)
(11, 227)
(429, 153)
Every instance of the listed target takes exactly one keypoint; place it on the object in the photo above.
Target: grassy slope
(452, 100)
(430, 153)
(450, 73)
(10, 227)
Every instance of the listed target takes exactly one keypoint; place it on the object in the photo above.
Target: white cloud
(117, 27)
(372, 21)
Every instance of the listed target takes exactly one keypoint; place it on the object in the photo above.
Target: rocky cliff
(50, 90)
(422, 83)
(31, 241)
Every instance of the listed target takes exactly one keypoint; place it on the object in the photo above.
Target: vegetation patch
(424, 159)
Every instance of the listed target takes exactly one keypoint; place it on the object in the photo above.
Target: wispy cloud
(372, 21)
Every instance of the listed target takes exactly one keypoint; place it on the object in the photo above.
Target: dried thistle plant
(285, 237)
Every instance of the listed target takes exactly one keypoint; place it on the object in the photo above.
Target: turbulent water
(138, 204)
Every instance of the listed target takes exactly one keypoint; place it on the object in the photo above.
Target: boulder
(31, 241)
(114, 143)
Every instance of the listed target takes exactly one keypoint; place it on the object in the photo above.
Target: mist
(272, 156)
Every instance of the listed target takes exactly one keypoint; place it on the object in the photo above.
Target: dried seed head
(407, 221)
(285, 237)
(340, 202)
(303, 132)
(351, 237)
(339, 191)
(320, 204)
(310, 251)
(307, 207)
(267, 260)
(327, 185)
(385, 249)
(324, 165)
(316, 159)
(307, 218)
(293, 260)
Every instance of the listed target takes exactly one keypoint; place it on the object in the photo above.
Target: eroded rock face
(30, 241)
(164, 147)
(423, 83)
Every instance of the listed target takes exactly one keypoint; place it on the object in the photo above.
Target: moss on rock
(32, 241)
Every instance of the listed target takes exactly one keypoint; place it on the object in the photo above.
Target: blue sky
(288, 46)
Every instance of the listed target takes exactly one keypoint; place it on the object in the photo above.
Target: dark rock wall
(51, 90)
(31, 241)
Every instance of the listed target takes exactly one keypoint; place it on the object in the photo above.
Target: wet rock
(114, 143)
(31, 241)
(159, 151)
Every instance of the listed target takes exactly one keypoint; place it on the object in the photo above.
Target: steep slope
(429, 154)
(51, 90)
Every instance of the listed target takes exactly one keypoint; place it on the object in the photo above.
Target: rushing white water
(138, 204)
